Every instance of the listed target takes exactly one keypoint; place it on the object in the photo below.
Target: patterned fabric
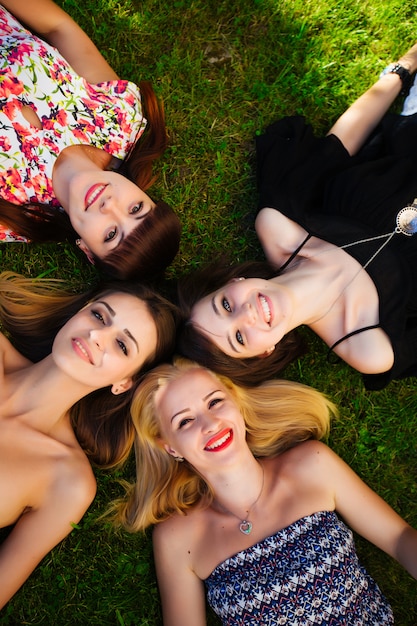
(305, 574)
(33, 73)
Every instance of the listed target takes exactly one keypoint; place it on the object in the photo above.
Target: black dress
(343, 199)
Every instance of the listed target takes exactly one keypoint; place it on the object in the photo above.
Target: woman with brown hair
(337, 221)
(77, 146)
(67, 378)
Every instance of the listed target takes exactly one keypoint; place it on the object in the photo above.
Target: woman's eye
(123, 347)
(226, 305)
(111, 234)
(136, 209)
(214, 401)
(239, 338)
(184, 422)
(98, 315)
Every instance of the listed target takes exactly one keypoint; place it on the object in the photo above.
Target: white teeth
(95, 195)
(83, 350)
(219, 442)
(265, 308)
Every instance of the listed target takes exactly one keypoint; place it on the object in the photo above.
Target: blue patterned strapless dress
(306, 574)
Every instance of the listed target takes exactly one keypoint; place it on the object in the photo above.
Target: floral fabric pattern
(306, 574)
(71, 111)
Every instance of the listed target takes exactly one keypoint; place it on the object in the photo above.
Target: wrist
(403, 72)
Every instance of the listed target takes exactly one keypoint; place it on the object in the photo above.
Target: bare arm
(367, 513)
(38, 531)
(182, 592)
(360, 119)
(55, 26)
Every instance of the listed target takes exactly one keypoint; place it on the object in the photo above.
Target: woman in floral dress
(69, 127)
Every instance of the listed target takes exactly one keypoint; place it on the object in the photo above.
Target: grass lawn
(225, 69)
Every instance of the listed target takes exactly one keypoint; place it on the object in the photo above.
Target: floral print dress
(71, 111)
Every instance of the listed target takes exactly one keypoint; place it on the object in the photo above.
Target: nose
(107, 203)
(99, 336)
(247, 314)
(209, 422)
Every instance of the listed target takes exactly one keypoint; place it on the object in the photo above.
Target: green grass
(279, 57)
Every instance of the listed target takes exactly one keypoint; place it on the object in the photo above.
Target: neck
(237, 491)
(42, 393)
(310, 297)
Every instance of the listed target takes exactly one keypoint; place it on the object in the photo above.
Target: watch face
(391, 68)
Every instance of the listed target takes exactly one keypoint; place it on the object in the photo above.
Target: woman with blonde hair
(67, 377)
(244, 499)
(78, 146)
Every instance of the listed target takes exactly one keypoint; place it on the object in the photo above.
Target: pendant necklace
(406, 224)
(245, 525)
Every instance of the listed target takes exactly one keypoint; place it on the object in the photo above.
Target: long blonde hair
(278, 414)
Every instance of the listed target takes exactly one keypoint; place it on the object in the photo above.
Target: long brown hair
(197, 346)
(33, 310)
(135, 258)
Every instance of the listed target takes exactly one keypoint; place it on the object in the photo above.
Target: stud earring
(78, 242)
(179, 459)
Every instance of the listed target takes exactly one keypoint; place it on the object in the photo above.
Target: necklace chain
(245, 525)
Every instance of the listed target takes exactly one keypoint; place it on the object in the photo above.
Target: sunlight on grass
(225, 69)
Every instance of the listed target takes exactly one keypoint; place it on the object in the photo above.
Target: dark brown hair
(197, 346)
(148, 249)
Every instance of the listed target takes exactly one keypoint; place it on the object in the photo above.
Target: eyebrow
(217, 312)
(188, 409)
(125, 330)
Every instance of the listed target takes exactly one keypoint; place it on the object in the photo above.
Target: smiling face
(106, 342)
(199, 419)
(104, 208)
(245, 318)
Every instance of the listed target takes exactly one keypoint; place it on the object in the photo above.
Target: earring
(78, 242)
(179, 459)
(240, 278)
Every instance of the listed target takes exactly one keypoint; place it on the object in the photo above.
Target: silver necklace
(406, 224)
(245, 525)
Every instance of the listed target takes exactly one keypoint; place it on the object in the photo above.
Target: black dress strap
(294, 254)
(354, 332)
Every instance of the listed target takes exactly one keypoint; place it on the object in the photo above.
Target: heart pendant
(245, 527)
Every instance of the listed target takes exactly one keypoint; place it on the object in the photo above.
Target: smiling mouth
(93, 194)
(82, 351)
(220, 442)
(266, 311)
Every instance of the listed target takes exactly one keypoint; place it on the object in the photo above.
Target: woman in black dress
(336, 221)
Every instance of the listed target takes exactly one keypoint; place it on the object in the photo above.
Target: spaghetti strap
(294, 254)
(354, 332)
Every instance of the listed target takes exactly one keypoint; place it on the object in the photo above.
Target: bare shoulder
(73, 480)
(179, 530)
(306, 458)
(279, 235)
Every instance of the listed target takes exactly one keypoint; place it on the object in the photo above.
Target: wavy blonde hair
(278, 414)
